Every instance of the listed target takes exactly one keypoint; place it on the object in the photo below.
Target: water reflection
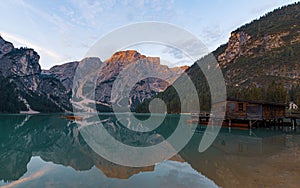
(53, 139)
(266, 158)
(48, 147)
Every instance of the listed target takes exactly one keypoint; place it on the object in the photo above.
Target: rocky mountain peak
(125, 56)
(5, 47)
(130, 56)
(184, 67)
(32, 89)
(18, 61)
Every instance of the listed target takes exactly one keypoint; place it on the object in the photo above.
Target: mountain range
(260, 61)
(26, 88)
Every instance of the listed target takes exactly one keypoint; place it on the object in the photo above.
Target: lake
(48, 150)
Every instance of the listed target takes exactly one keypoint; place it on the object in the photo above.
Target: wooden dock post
(250, 127)
(293, 123)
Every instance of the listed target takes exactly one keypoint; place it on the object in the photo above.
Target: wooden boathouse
(246, 113)
(249, 113)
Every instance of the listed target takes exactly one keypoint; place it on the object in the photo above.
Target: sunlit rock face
(130, 61)
(111, 69)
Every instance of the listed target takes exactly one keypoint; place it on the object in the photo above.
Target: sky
(64, 30)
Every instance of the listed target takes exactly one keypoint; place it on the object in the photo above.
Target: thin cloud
(11, 37)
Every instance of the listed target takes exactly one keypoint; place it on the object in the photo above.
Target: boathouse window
(231, 107)
(241, 107)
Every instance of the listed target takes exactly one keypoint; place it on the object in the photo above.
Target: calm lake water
(47, 150)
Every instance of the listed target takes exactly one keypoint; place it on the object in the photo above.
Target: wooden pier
(249, 114)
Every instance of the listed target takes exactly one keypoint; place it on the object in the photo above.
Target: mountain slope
(32, 90)
(261, 61)
(263, 54)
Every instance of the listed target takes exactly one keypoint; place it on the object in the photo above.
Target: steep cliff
(32, 90)
(65, 73)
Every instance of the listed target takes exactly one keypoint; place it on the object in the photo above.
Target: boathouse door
(254, 111)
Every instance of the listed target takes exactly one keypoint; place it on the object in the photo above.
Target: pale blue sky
(64, 30)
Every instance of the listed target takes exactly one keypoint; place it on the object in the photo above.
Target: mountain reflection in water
(47, 150)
